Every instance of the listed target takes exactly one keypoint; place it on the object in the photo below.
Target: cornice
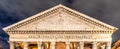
(61, 32)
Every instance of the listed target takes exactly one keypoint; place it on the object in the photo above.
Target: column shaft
(39, 45)
(108, 45)
(103, 47)
(53, 45)
(81, 44)
(25, 45)
(67, 45)
(94, 46)
(12, 44)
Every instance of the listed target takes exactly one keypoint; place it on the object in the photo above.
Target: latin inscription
(60, 36)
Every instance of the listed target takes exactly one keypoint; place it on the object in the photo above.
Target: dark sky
(12, 11)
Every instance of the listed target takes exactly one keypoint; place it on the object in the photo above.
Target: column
(108, 45)
(39, 45)
(67, 45)
(103, 47)
(53, 45)
(81, 45)
(12, 44)
(25, 45)
(94, 46)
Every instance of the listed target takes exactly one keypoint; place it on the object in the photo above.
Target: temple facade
(60, 27)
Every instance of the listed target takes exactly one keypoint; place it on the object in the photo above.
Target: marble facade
(60, 28)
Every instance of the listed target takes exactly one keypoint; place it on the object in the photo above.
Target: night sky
(12, 11)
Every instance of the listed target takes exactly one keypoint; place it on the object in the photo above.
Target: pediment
(59, 21)
(60, 18)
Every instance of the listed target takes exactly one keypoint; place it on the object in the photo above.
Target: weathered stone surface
(61, 24)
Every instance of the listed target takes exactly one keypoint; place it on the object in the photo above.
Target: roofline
(91, 18)
(60, 5)
(33, 16)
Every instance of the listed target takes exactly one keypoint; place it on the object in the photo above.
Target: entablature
(61, 36)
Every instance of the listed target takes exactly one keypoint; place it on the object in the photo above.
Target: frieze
(60, 36)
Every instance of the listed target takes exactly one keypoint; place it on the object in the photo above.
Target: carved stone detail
(60, 23)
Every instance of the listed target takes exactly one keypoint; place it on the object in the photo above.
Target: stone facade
(60, 27)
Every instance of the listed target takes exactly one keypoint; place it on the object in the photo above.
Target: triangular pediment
(60, 18)
(59, 21)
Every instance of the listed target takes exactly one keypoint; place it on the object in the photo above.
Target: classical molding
(61, 32)
(60, 24)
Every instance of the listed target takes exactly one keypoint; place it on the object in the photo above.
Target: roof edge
(33, 16)
(60, 5)
(112, 27)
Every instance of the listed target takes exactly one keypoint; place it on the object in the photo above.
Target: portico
(60, 28)
(68, 45)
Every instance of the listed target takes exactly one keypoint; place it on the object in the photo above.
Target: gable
(60, 21)
(60, 18)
